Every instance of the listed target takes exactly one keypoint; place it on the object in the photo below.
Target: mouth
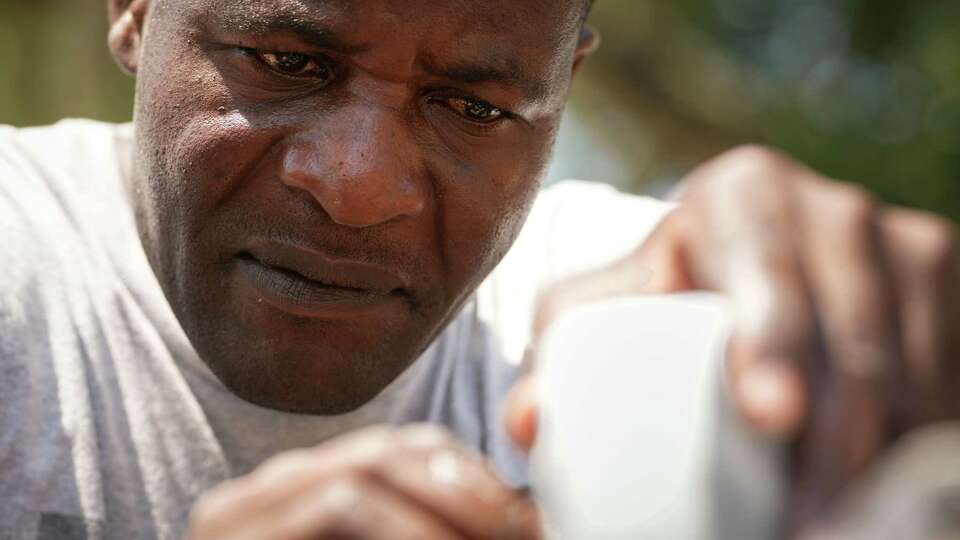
(308, 284)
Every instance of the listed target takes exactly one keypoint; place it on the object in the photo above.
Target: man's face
(322, 183)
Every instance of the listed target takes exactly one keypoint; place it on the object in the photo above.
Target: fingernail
(767, 395)
(453, 471)
(761, 388)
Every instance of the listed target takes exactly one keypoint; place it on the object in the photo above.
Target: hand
(414, 483)
(847, 312)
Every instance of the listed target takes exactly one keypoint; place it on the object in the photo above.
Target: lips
(307, 282)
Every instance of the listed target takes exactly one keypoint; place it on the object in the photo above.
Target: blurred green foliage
(54, 63)
(862, 90)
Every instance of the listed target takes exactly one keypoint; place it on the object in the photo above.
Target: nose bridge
(356, 165)
(365, 129)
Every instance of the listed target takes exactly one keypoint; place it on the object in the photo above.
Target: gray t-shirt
(110, 424)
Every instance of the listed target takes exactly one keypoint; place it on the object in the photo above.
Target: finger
(212, 516)
(458, 486)
(857, 310)
(348, 508)
(623, 277)
(737, 233)
(286, 477)
(520, 413)
(923, 250)
(422, 464)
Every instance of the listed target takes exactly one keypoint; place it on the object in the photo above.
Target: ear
(126, 32)
(588, 43)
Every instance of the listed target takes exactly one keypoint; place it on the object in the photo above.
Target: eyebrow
(310, 31)
(479, 73)
(313, 31)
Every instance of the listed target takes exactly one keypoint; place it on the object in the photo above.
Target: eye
(475, 110)
(293, 64)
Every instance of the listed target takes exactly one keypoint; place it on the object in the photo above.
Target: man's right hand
(410, 483)
(846, 313)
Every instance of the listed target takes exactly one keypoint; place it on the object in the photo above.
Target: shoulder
(64, 137)
(51, 176)
(56, 164)
(60, 186)
(43, 172)
(73, 149)
(56, 140)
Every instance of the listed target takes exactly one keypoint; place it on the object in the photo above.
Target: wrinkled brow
(316, 30)
(316, 26)
(480, 72)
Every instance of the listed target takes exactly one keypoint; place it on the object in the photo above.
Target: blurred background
(863, 90)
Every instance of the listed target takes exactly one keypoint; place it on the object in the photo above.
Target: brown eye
(296, 65)
(476, 110)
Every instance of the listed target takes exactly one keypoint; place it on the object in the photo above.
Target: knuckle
(752, 173)
(206, 509)
(685, 219)
(425, 436)
(936, 243)
(343, 505)
(857, 209)
(343, 495)
(380, 437)
(281, 465)
(755, 155)
(202, 511)
(371, 447)
(755, 160)
(859, 358)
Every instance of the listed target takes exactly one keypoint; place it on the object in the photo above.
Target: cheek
(193, 147)
(202, 164)
(485, 203)
(214, 154)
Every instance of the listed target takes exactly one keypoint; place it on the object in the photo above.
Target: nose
(357, 164)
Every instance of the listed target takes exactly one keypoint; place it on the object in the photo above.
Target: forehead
(534, 37)
(458, 15)
(479, 10)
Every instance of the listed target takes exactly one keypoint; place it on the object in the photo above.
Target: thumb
(623, 277)
(629, 275)
(655, 267)
(520, 413)
(658, 266)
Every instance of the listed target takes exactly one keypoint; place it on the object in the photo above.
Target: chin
(312, 401)
(321, 384)
(306, 366)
